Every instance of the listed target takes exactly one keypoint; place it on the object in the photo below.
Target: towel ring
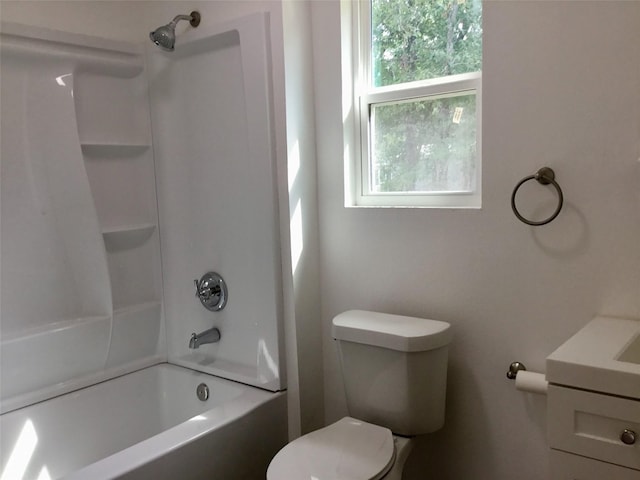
(544, 176)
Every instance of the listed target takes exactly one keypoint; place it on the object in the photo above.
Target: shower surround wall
(211, 113)
(80, 273)
(82, 293)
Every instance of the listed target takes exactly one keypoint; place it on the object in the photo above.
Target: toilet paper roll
(531, 382)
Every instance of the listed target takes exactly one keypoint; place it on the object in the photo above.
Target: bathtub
(149, 424)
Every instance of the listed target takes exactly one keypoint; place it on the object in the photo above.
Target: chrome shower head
(165, 36)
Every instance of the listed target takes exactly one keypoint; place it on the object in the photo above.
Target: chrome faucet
(208, 336)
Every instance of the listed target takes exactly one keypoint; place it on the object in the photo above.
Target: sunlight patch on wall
(265, 358)
(44, 474)
(293, 164)
(297, 244)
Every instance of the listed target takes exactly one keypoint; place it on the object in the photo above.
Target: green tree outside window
(426, 144)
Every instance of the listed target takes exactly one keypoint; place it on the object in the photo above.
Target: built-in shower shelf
(55, 327)
(114, 150)
(137, 307)
(127, 236)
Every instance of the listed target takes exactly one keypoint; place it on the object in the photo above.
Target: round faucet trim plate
(212, 291)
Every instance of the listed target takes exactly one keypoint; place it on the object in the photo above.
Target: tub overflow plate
(202, 391)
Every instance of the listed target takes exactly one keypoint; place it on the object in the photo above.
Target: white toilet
(394, 370)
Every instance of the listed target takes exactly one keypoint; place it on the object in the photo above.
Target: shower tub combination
(147, 424)
(98, 381)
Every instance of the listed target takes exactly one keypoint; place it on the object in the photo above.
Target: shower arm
(194, 19)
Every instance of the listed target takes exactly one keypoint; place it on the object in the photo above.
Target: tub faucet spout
(208, 336)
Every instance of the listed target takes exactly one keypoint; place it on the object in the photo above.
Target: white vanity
(594, 402)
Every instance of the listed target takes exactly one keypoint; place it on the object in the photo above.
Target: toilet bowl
(391, 364)
(347, 449)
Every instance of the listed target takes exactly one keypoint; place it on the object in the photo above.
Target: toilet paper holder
(530, 382)
(514, 368)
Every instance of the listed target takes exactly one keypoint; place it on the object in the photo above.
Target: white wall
(103, 18)
(303, 209)
(561, 88)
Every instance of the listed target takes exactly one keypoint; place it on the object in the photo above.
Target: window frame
(365, 95)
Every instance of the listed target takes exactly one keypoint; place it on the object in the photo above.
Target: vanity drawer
(591, 424)
(567, 466)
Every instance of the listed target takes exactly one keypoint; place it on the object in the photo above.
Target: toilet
(394, 370)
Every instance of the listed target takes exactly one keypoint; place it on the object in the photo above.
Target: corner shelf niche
(125, 237)
(115, 139)
(112, 150)
(87, 221)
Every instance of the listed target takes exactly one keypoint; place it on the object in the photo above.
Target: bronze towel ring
(544, 176)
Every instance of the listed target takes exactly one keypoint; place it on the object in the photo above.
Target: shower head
(165, 36)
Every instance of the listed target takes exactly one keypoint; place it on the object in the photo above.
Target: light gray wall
(561, 88)
(303, 210)
(103, 18)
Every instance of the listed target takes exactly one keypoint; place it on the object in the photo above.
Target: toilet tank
(394, 369)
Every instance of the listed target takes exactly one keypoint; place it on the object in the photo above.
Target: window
(417, 103)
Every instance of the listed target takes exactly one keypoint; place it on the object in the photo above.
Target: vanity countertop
(604, 356)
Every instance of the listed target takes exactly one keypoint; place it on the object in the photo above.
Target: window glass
(417, 94)
(423, 39)
(426, 145)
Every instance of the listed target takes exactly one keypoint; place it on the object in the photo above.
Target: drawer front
(566, 466)
(591, 424)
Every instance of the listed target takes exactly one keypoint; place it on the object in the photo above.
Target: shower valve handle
(211, 289)
(205, 291)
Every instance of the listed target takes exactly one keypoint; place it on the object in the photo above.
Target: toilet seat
(349, 449)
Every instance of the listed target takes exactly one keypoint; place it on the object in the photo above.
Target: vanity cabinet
(594, 403)
(592, 425)
(567, 466)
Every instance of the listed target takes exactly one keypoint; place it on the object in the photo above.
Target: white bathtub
(146, 425)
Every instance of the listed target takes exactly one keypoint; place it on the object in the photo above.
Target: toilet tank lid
(396, 332)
